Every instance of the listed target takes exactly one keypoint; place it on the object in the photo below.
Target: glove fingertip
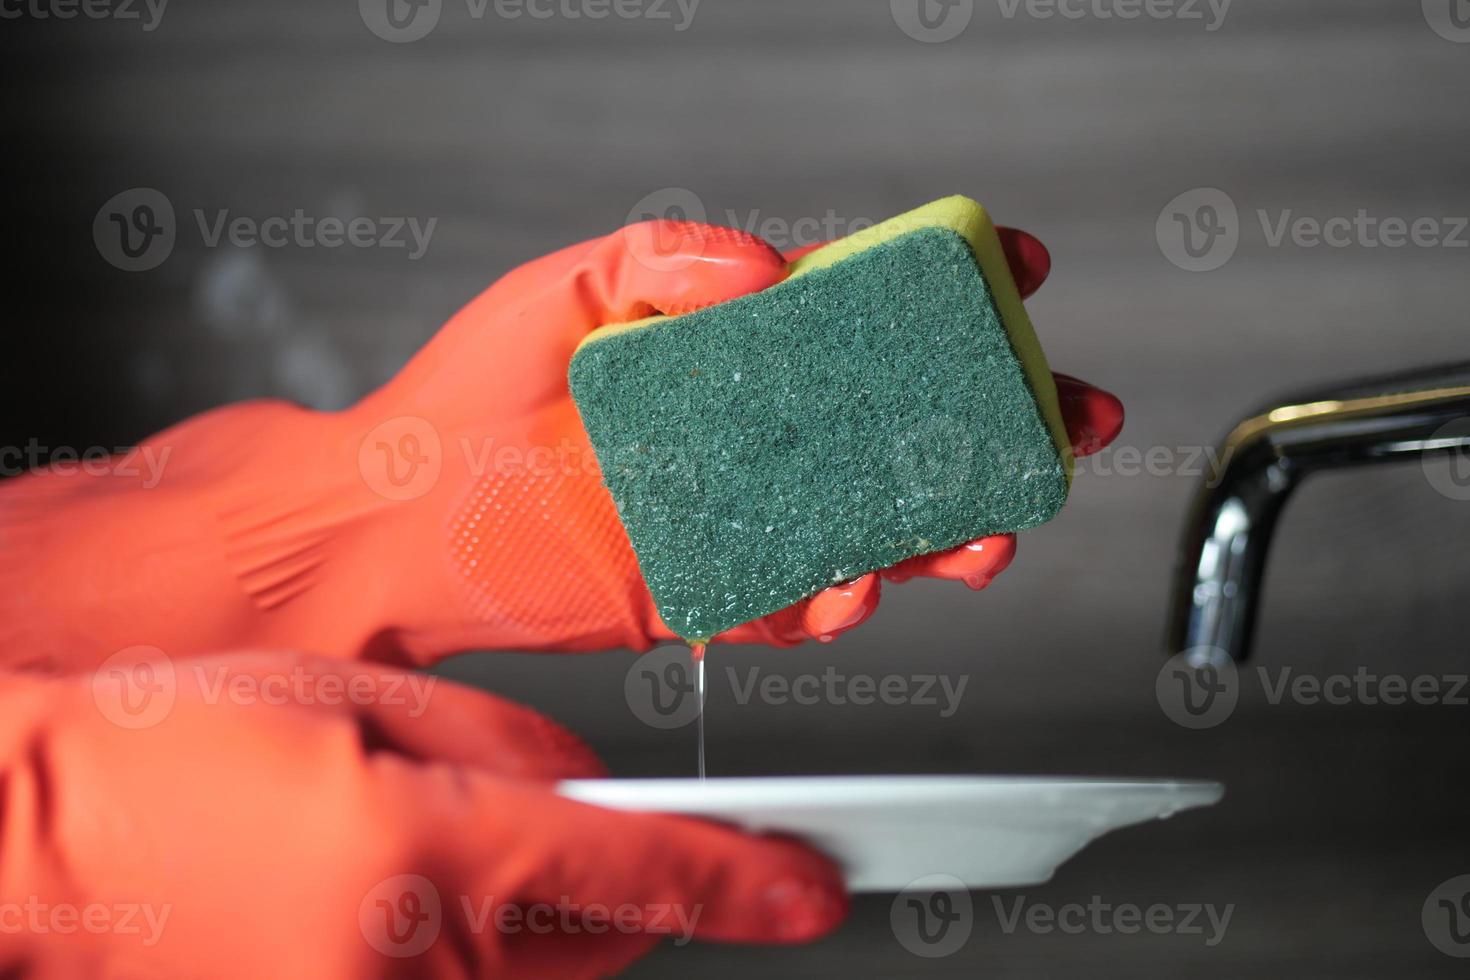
(806, 908)
(776, 890)
(1093, 417)
(1029, 260)
(842, 607)
(678, 267)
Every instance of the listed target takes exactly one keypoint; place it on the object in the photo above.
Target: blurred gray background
(521, 135)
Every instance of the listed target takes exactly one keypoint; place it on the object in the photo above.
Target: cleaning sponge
(888, 399)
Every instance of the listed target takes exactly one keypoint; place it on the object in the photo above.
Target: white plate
(887, 831)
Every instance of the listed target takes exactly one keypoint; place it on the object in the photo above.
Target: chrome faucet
(1218, 581)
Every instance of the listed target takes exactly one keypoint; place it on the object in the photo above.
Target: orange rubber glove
(457, 508)
(271, 815)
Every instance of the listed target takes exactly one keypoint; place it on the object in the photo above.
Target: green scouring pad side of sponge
(878, 404)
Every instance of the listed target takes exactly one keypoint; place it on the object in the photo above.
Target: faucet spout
(1228, 532)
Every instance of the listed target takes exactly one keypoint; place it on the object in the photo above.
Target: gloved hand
(273, 815)
(457, 508)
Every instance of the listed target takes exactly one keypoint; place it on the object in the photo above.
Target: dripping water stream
(697, 650)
